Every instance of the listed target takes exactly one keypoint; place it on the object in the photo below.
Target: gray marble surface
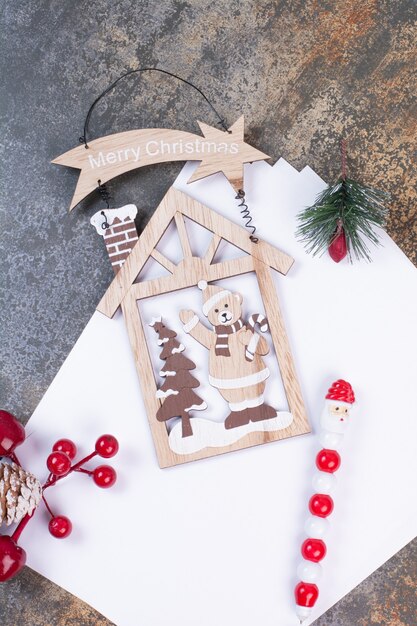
(303, 73)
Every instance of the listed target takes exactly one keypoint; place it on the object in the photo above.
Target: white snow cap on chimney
(102, 220)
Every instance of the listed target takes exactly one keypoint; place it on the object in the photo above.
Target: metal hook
(105, 225)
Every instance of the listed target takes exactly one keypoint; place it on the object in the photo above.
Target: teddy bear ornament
(236, 369)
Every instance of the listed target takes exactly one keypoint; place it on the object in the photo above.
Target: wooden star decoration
(232, 161)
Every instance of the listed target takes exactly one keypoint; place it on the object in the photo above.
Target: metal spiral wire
(104, 193)
(246, 216)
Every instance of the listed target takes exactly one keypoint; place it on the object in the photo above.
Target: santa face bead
(316, 526)
(331, 441)
(321, 505)
(323, 482)
(335, 417)
(328, 461)
(313, 550)
(309, 572)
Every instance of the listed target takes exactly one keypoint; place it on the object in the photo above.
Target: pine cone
(20, 493)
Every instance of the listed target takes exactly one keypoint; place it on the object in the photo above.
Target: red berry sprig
(59, 464)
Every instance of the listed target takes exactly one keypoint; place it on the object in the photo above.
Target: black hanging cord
(84, 137)
(246, 216)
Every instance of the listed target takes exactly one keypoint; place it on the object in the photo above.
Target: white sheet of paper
(217, 542)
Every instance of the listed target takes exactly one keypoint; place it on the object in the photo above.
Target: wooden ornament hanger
(107, 157)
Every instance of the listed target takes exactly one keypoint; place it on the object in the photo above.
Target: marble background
(304, 73)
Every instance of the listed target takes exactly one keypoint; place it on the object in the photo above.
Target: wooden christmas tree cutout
(177, 393)
(261, 258)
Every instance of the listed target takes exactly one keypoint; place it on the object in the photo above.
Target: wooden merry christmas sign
(108, 157)
(235, 364)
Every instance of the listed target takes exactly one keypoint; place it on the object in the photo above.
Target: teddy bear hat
(211, 295)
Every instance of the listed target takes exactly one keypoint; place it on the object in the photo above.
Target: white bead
(316, 526)
(302, 612)
(323, 482)
(309, 572)
(331, 441)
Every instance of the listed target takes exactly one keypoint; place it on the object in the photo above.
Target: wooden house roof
(176, 202)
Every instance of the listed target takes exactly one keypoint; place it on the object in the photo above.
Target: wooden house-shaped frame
(261, 258)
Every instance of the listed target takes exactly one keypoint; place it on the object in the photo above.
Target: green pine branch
(360, 209)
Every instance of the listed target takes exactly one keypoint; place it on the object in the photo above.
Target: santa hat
(341, 391)
(211, 295)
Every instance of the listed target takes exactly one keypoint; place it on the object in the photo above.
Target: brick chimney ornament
(117, 227)
(21, 492)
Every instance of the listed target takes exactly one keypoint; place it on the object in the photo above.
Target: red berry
(107, 446)
(12, 558)
(338, 247)
(60, 527)
(321, 505)
(313, 550)
(104, 476)
(67, 446)
(12, 433)
(306, 594)
(58, 463)
(328, 461)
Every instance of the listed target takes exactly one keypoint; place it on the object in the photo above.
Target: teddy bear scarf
(222, 336)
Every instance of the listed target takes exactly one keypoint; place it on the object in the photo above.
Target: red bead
(321, 505)
(107, 446)
(306, 594)
(104, 476)
(60, 527)
(12, 433)
(338, 247)
(328, 461)
(67, 446)
(58, 463)
(12, 558)
(313, 550)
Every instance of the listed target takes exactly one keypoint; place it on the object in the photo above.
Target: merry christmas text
(159, 148)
